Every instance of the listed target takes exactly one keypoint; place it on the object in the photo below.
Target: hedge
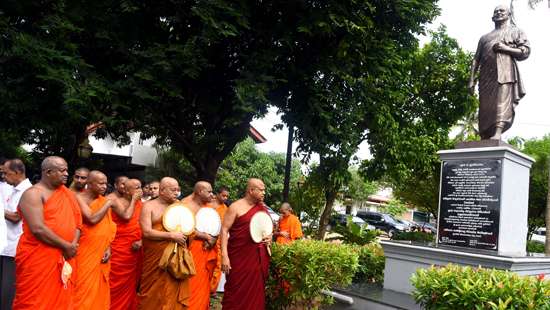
(301, 270)
(456, 287)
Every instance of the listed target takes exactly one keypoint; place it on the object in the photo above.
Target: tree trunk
(547, 216)
(288, 164)
(208, 170)
(323, 221)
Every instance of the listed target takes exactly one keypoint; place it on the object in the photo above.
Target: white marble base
(404, 258)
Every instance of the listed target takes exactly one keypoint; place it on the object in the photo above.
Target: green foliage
(308, 201)
(371, 264)
(49, 92)
(395, 208)
(359, 189)
(535, 247)
(305, 268)
(353, 233)
(414, 236)
(539, 149)
(172, 164)
(454, 287)
(247, 162)
(424, 102)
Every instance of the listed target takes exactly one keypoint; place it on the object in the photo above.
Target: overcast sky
(467, 21)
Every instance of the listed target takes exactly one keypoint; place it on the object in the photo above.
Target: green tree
(247, 162)
(360, 189)
(539, 149)
(430, 97)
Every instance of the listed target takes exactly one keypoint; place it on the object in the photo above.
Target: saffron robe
(217, 274)
(125, 263)
(38, 268)
(245, 286)
(158, 289)
(290, 224)
(92, 280)
(205, 263)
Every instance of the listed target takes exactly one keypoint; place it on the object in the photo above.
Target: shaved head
(119, 184)
(254, 183)
(132, 183)
(255, 190)
(285, 209)
(54, 171)
(52, 162)
(203, 190)
(169, 190)
(167, 181)
(97, 182)
(95, 174)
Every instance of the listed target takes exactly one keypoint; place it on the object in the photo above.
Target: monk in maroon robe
(244, 262)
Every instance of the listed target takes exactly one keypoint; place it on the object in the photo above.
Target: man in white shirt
(5, 192)
(14, 174)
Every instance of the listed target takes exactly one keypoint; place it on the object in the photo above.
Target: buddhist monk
(290, 228)
(126, 254)
(203, 248)
(51, 230)
(244, 262)
(158, 289)
(80, 178)
(119, 188)
(219, 200)
(92, 280)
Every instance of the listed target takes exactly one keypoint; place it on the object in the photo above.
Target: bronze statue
(500, 86)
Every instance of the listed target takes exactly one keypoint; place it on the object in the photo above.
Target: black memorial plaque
(469, 203)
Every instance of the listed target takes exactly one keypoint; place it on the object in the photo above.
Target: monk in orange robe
(290, 228)
(51, 230)
(159, 289)
(203, 248)
(126, 257)
(92, 280)
(219, 203)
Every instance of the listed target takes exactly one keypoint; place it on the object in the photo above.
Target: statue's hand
(499, 47)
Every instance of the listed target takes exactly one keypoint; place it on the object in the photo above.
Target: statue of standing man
(500, 86)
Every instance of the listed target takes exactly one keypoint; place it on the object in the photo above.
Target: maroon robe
(245, 286)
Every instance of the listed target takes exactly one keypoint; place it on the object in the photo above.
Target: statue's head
(501, 13)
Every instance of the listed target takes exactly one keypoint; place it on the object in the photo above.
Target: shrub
(353, 233)
(414, 236)
(535, 247)
(300, 270)
(456, 287)
(371, 264)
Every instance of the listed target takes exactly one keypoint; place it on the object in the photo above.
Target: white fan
(208, 221)
(178, 217)
(261, 226)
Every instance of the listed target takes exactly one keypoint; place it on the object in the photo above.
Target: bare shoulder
(238, 204)
(32, 196)
(151, 205)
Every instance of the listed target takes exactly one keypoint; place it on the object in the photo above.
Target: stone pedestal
(404, 258)
(482, 219)
(483, 199)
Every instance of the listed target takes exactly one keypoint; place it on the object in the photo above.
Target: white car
(539, 235)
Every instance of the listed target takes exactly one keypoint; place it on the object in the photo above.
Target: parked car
(427, 227)
(384, 222)
(409, 225)
(342, 219)
(539, 235)
(274, 215)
